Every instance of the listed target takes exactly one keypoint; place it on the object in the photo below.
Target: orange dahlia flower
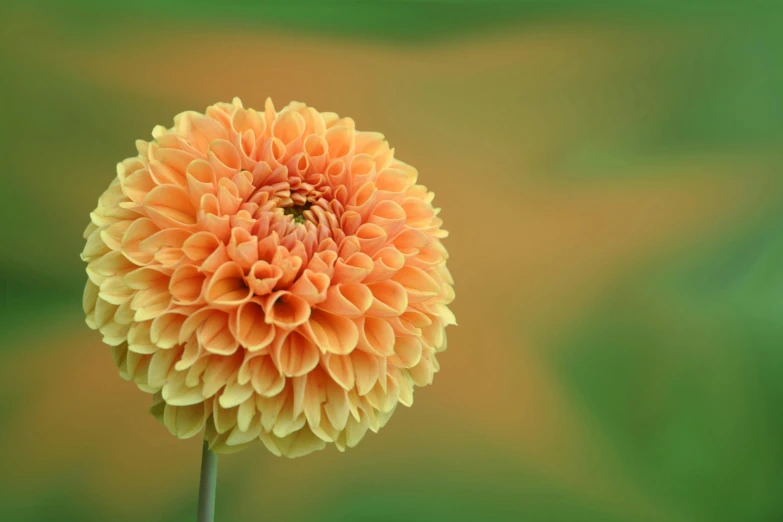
(272, 276)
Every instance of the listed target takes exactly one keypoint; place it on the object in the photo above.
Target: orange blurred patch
(78, 414)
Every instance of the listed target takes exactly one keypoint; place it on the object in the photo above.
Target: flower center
(297, 211)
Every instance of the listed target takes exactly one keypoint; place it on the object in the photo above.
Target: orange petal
(290, 265)
(147, 277)
(353, 269)
(169, 206)
(422, 373)
(165, 175)
(263, 277)
(200, 130)
(215, 335)
(167, 238)
(219, 371)
(337, 409)
(228, 197)
(137, 185)
(224, 158)
(371, 238)
(176, 159)
(137, 232)
(389, 299)
(417, 283)
(365, 369)
(392, 180)
(186, 284)
(407, 352)
(288, 128)
(389, 216)
(386, 263)
(266, 378)
(364, 200)
(315, 147)
(201, 180)
(295, 354)
(227, 286)
(165, 328)
(200, 245)
(337, 174)
(419, 214)
(347, 300)
(250, 329)
(410, 240)
(311, 286)
(350, 222)
(286, 310)
(332, 333)
(323, 262)
(243, 247)
(340, 368)
(273, 153)
(112, 234)
(339, 140)
(376, 336)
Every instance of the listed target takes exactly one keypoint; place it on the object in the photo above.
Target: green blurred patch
(681, 370)
(61, 149)
(395, 21)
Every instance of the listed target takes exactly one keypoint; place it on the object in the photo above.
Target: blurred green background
(612, 180)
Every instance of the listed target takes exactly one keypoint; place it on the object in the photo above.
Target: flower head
(272, 276)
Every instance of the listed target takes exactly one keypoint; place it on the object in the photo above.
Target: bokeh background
(612, 178)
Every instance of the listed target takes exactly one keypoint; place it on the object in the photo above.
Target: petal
(227, 286)
(169, 206)
(286, 310)
(218, 372)
(139, 338)
(165, 328)
(112, 234)
(332, 333)
(340, 141)
(186, 284)
(295, 354)
(387, 262)
(371, 238)
(347, 299)
(215, 335)
(170, 237)
(137, 232)
(235, 394)
(200, 245)
(365, 369)
(376, 336)
(407, 352)
(246, 413)
(417, 283)
(340, 368)
(337, 408)
(252, 332)
(389, 299)
(263, 277)
(267, 380)
(311, 286)
(389, 216)
(137, 185)
(161, 363)
(354, 269)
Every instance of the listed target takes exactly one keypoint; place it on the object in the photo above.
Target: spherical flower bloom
(272, 276)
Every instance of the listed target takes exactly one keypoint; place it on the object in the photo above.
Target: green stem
(206, 490)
